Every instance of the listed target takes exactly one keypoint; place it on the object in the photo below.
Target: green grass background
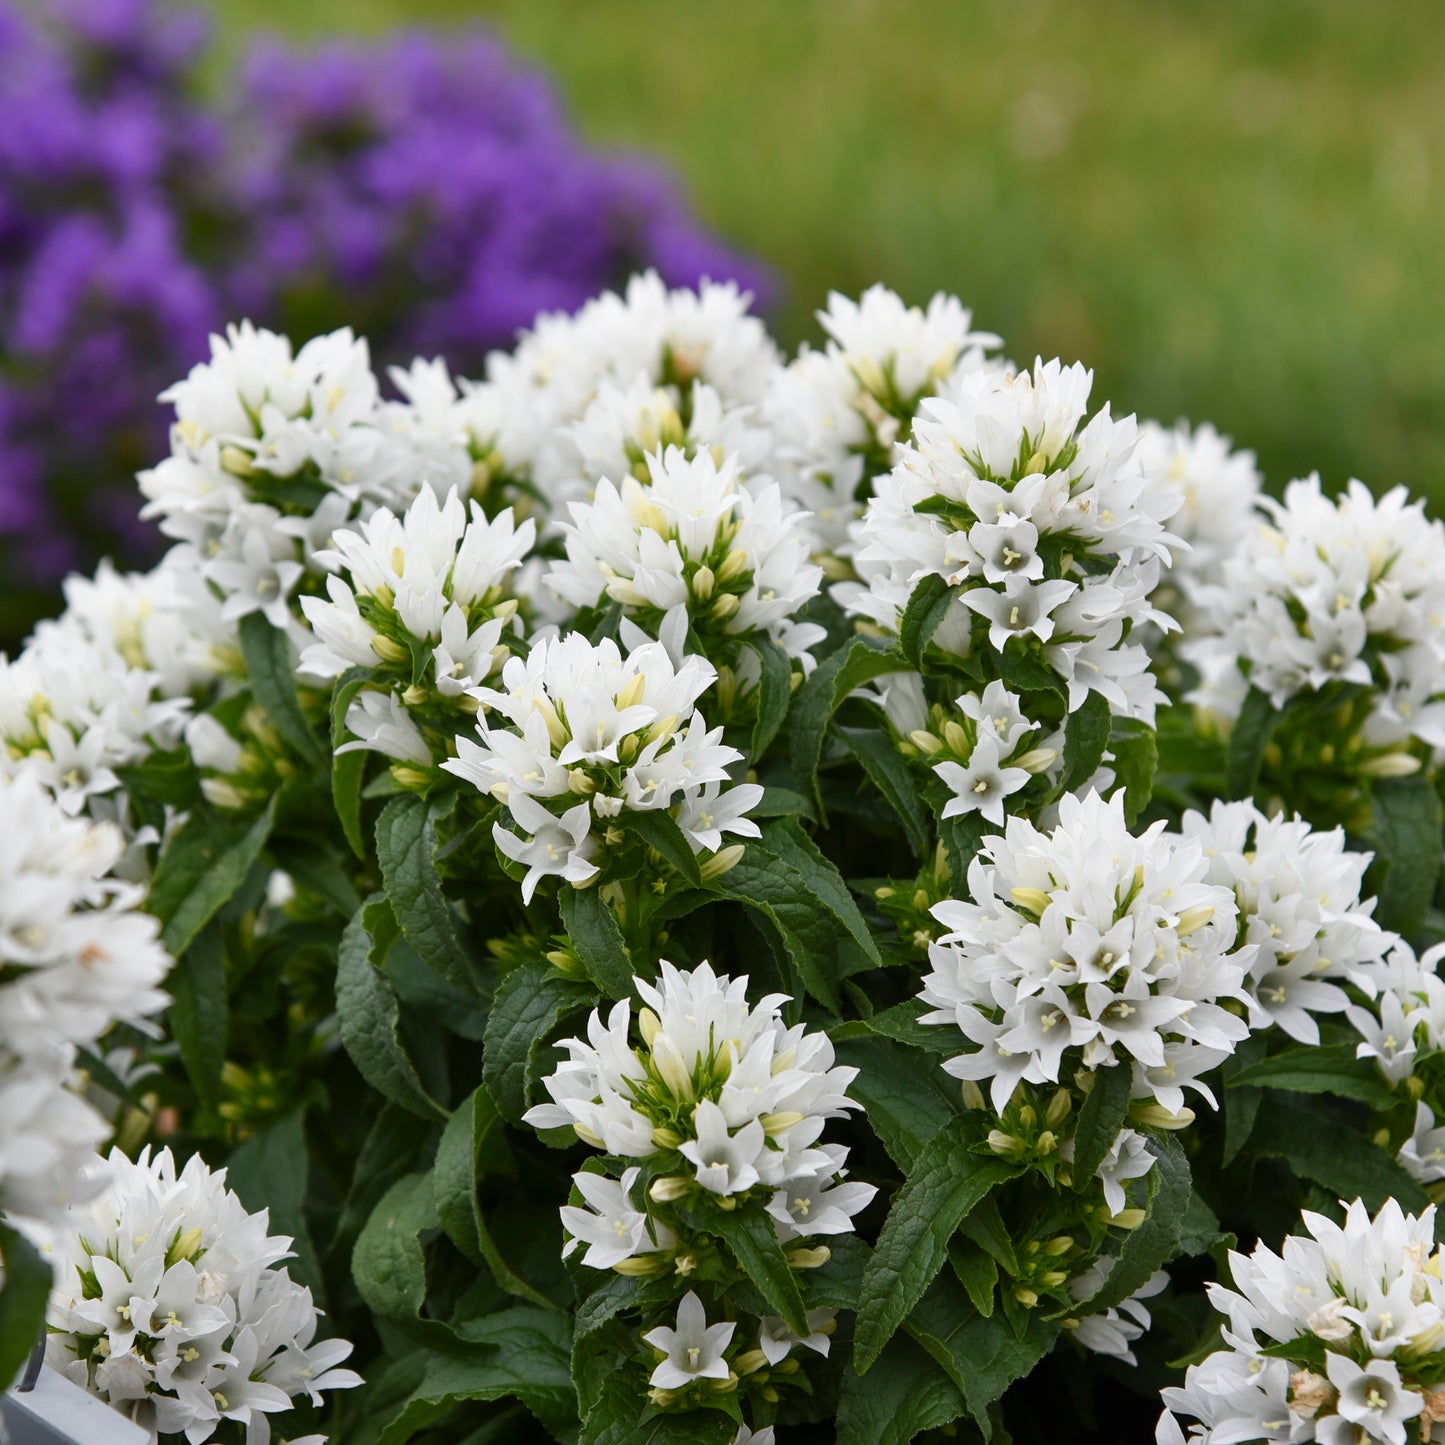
(1233, 211)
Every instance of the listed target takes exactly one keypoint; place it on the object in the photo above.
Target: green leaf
(1318, 1069)
(269, 1171)
(962, 837)
(197, 1015)
(659, 830)
(946, 1181)
(1154, 1242)
(808, 928)
(592, 929)
(474, 1144)
(267, 651)
(1086, 735)
(905, 1393)
(1136, 757)
(1320, 1146)
(203, 864)
(29, 1278)
(370, 1016)
(825, 883)
(316, 866)
(1023, 667)
(406, 850)
(889, 772)
(387, 1262)
(981, 1353)
(347, 769)
(519, 1352)
(1253, 728)
(927, 607)
(529, 1004)
(1101, 1116)
(1407, 818)
(901, 1022)
(169, 777)
(977, 1272)
(860, 660)
(1200, 1231)
(752, 1236)
(775, 693)
(906, 1096)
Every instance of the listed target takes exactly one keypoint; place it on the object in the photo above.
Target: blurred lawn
(1233, 212)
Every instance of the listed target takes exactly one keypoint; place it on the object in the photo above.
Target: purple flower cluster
(426, 191)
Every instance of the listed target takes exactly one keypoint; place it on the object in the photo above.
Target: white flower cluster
(1298, 894)
(169, 1305)
(1220, 488)
(1091, 940)
(1344, 591)
(1044, 524)
(272, 450)
(432, 588)
(592, 732)
(726, 1095)
(525, 411)
(1354, 1318)
(75, 957)
(695, 543)
(841, 412)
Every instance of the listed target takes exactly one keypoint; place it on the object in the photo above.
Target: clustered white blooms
(582, 733)
(426, 600)
(1353, 1317)
(1091, 941)
(1298, 894)
(1344, 591)
(841, 412)
(76, 956)
(695, 544)
(169, 1305)
(524, 413)
(1044, 524)
(1220, 488)
(729, 1096)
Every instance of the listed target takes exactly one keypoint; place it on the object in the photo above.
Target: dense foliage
(712, 899)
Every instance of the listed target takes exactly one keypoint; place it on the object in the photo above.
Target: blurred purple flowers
(425, 190)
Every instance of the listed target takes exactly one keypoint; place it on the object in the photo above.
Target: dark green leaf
(1086, 735)
(775, 692)
(962, 837)
(1318, 1069)
(592, 930)
(316, 867)
(946, 1181)
(529, 1004)
(908, 1098)
(29, 1278)
(659, 830)
(520, 1352)
(1136, 756)
(347, 768)
(927, 607)
(164, 778)
(860, 660)
(901, 1022)
(1407, 818)
(1023, 667)
(370, 1018)
(752, 1236)
(201, 868)
(406, 849)
(1200, 1231)
(269, 1171)
(1320, 1146)
(1253, 729)
(387, 1263)
(982, 1354)
(905, 1393)
(474, 1144)
(267, 651)
(1101, 1116)
(889, 772)
(808, 928)
(1154, 1242)
(787, 839)
(977, 1272)
(197, 1015)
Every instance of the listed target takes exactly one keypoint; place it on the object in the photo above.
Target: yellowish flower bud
(1032, 900)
